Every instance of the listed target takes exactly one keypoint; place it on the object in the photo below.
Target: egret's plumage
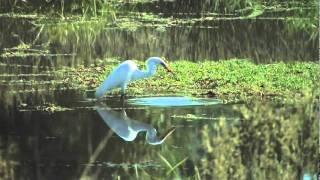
(128, 71)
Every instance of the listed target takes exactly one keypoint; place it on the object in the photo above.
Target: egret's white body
(126, 72)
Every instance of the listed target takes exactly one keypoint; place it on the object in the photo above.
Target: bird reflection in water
(128, 128)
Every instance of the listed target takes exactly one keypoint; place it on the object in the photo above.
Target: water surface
(173, 101)
(51, 131)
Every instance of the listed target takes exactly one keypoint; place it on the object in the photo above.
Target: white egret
(128, 71)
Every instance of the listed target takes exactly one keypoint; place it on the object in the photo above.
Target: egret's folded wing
(114, 80)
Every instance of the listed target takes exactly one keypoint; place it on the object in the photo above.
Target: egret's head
(154, 140)
(154, 61)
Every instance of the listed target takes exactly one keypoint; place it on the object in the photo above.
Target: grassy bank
(236, 79)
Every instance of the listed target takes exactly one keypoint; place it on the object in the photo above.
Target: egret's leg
(124, 114)
(123, 89)
(122, 99)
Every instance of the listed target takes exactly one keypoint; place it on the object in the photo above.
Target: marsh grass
(271, 142)
(130, 18)
(59, 8)
(234, 79)
(172, 165)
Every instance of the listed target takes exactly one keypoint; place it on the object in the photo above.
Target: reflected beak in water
(168, 133)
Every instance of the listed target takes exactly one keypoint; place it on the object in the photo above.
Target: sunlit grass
(229, 79)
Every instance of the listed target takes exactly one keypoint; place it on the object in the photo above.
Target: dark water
(49, 131)
(62, 144)
(78, 142)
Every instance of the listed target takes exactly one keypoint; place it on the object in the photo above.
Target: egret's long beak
(166, 66)
(168, 133)
(169, 69)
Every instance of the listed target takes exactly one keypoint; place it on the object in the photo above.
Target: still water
(65, 144)
(50, 131)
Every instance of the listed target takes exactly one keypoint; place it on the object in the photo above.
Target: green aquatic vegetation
(118, 10)
(227, 79)
(138, 20)
(59, 8)
(24, 50)
(18, 15)
(25, 54)
(129, 25)
(270, 142)
(229, 6)
(87, 77)
(172, 167)
(257, 11)
(47, 107)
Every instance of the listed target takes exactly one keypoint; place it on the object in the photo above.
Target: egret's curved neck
(151, 70)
